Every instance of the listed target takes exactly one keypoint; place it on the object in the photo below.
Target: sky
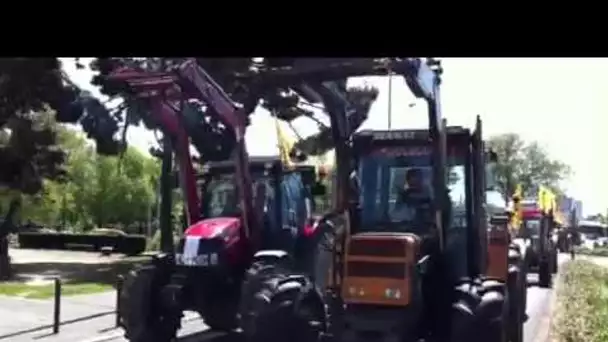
(559, 102)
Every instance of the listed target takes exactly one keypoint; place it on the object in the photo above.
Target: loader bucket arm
(160, 89)
(311, 78)
(164, 90)
(198, 84)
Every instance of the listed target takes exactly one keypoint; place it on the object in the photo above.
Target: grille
(378, 248)
(364, 269)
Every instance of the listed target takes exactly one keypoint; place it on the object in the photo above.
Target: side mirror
(491, 161)
(492, 157)
(318, 189)
(490, 177)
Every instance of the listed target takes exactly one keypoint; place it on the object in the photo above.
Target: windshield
(532, 227)
(221, 195)
(397, 191)
(220, 199)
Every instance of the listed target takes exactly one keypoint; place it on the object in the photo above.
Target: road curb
(548, 328)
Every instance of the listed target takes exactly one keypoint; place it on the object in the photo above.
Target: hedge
(582, 303)
(127, 244)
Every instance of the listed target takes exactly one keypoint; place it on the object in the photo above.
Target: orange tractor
(410, 255)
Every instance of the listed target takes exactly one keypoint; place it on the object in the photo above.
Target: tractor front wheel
(515, 312)
(554, 263)
(544, 274)
(140, 311)
(281, 305)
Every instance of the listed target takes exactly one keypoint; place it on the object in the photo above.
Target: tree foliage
(29, 87)
(102, 190)
(213, 141)
(527, 164)
(32, 88)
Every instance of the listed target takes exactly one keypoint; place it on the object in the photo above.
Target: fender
(272, 256)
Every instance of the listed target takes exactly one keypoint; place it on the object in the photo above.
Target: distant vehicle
(107, 231)
(602, 241)
(593, 233)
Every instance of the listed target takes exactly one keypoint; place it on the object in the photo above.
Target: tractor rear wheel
(480, 312)
(281, 305)
(554, 266)
(516, 314)
(140, 310)
(544, 274)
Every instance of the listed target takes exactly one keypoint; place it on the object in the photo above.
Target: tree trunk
(5, 229)
(5, 260)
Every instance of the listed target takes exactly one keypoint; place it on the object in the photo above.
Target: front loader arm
(164, 90)
(197, 83)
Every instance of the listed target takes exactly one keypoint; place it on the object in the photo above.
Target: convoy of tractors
(397, 258)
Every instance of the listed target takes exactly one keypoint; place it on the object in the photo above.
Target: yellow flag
(285, 145)
(540, 201)
(546, 200)
(517, 217)
(519, 193)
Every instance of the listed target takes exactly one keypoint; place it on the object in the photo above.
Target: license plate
(208, 259)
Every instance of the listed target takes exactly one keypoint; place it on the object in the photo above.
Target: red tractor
(246, 211)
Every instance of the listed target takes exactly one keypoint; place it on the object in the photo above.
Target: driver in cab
(414, 201)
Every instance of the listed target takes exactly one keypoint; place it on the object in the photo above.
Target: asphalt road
(536, 328)
(194, 330)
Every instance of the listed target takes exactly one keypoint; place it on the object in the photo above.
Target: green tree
(121, 190)
(29, 89)
(101, 189)
(525, 164)
(32, 88)
(213, 141)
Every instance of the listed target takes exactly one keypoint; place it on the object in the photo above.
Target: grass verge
(46, 290)
(597, 251)
(582, 303)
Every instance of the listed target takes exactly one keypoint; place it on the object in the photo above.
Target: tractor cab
(282, 199)
(393, 256)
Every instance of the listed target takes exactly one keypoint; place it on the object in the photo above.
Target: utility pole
(390, 98)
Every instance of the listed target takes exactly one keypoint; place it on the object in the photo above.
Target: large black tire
(140, 310)
(463, 317)
(480, 312)
(491, 315)
(524, 290)
(544, 274)
(515, 330)
(278, 304)
(554, 263)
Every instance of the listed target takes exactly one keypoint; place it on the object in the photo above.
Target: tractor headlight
(354, 291)
(392, 293)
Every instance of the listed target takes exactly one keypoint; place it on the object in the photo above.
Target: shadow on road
(50, 326)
